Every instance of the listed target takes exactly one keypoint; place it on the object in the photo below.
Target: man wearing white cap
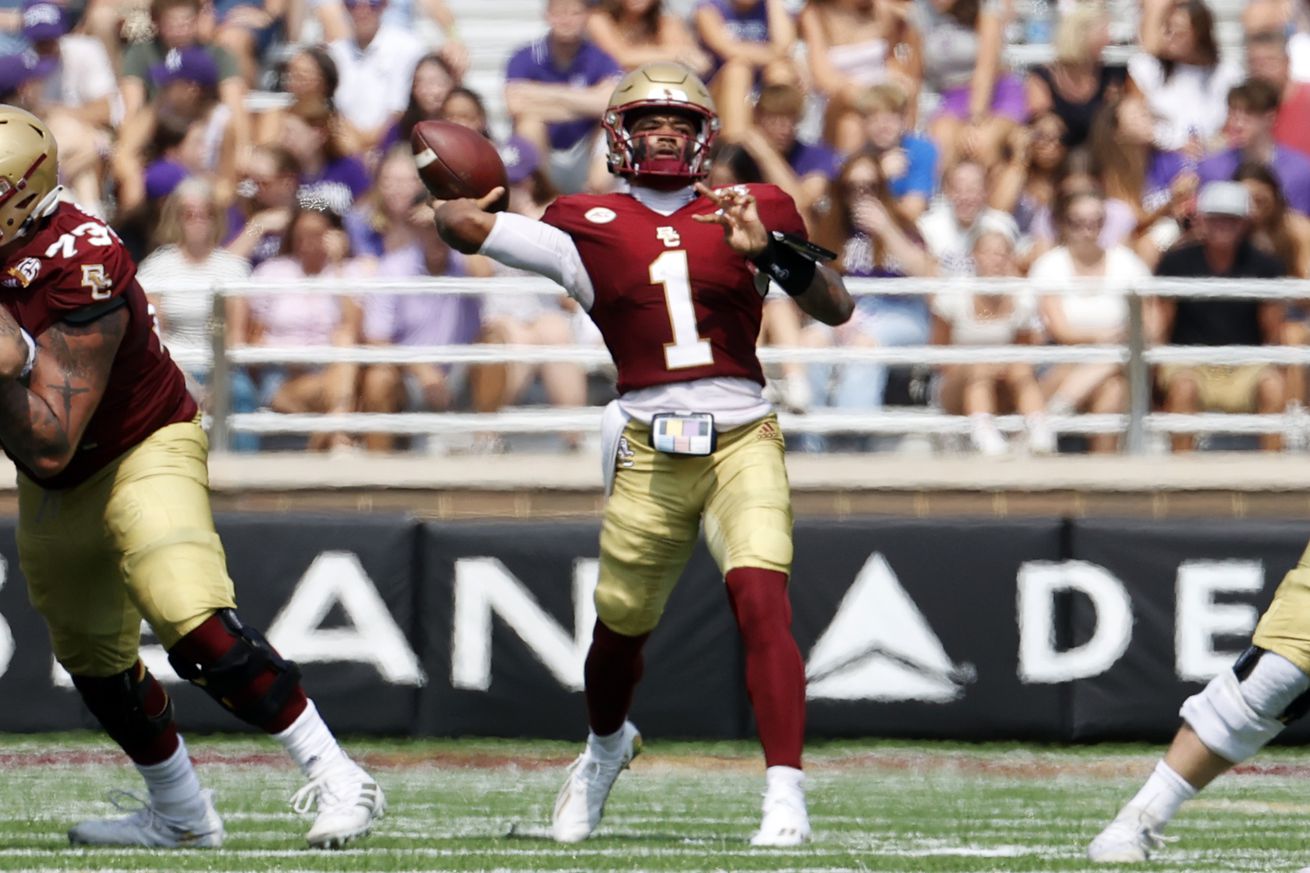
(1223, 250)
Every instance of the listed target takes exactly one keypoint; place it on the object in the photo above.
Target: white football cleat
(581, 802)
(786, 821)
(348, 801)
(1130, 838)
(148, 827)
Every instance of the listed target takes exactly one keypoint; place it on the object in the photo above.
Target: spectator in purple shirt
(801, 169)
(751, 42)
(415, 320)
(329, 178)
(1252, 111)
(556, 90)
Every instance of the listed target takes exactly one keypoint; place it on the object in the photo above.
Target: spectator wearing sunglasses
(376, 66)
(1091, 317)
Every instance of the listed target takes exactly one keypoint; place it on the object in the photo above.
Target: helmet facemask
(639, 154)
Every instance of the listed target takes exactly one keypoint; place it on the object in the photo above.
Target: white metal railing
(1133, 354)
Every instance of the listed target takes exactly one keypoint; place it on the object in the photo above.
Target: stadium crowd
(270, 139)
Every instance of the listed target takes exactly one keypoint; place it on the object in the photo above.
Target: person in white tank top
(1094, 317)
(982, 390)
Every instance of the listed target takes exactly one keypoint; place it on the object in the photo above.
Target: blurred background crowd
(921, 138)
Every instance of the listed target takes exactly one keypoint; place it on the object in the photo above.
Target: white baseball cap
(1224, 198)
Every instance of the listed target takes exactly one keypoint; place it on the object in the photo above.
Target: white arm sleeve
(518, 241)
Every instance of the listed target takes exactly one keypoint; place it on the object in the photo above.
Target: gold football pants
(1285, 626)
(653, 517)
(136, 540)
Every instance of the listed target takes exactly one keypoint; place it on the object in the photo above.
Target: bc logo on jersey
(93, 277)
(668, 236)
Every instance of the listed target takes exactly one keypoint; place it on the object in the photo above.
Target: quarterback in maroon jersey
(114, 521)
(672, 274)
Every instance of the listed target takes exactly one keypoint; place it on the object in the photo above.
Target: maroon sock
(133, 708)
(775, 673)
(613, 669)
(210, 642)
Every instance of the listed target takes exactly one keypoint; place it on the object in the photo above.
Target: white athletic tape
(425, 157)
(1225, 722)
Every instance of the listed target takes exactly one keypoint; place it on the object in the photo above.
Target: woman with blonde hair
(1076, 84)
(982, 390)
(179, 279)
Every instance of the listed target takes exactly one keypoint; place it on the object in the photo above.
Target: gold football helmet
(29, 171)
(660, 86)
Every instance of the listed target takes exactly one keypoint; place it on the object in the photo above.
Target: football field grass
(484, 805)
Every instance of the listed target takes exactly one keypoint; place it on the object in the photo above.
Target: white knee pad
(1235, 719)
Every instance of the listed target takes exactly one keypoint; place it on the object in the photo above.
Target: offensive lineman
(1227, 722)
(114, 521)
(665, 271)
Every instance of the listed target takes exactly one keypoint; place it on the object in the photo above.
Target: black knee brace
(1243, 666)
(121, 704)
(235, 678)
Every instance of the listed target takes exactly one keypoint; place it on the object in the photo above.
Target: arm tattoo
(42, 425)
(68, 391)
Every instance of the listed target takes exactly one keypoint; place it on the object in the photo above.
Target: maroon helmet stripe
(22, 182)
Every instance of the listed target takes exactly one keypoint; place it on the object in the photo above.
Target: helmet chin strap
(43, 208)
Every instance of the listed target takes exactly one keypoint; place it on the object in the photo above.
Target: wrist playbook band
(792, 270)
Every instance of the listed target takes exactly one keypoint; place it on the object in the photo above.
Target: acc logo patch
(600, 215)
(23, 273)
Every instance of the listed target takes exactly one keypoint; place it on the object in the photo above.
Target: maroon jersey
(72, 261)
(673, 302)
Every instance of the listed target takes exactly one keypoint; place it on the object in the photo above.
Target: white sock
(172, 783)
(1164, 792)
(788, 778)
(311, 745)
(608, 746)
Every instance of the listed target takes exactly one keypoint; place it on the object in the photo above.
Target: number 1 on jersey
(688, 348)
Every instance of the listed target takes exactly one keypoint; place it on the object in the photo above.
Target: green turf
(484, 805)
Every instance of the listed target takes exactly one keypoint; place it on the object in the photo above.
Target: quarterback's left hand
(742, 229)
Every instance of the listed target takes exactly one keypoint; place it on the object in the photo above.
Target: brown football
(456, 162)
